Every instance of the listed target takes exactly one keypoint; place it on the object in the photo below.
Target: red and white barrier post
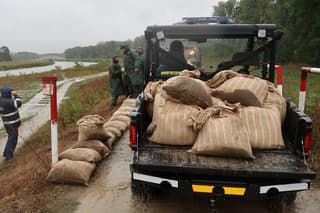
(303, 85)
(279, 77)
(50, 89)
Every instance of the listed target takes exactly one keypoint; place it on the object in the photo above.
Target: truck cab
(245, 48)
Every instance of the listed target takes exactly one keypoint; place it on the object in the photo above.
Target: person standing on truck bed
(9, 104)
(115, 80)
(132, 78)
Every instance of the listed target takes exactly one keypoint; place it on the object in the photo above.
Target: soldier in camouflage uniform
(115, 80)
(132, 70)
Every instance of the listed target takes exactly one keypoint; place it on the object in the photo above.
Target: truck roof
(203, 31)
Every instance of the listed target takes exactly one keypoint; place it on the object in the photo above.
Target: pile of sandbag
(226, 116)
(95, 141)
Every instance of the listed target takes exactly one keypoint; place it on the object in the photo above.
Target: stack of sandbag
(76, 164)
(174, 101)
(94, 144)
(263, 107)
(221, 133)
(226, 116)
(119, 121)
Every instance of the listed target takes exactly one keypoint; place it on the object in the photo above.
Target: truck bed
(269, 164)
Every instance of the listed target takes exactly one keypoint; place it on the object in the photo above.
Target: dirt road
(109, 191)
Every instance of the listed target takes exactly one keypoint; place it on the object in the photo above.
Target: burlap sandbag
(217, 102)
(113, 130)
(188, 91)
(111, 140)
(91, 128)
(74, 172)
(119, 117)
(125, 110)
(263, 126)
(220, 78)
(129, 102)
(81, 154)
(190, 74)
(248, 90)
(223, 135)
(116, 124)
(126, 113)
(95, 145)
(169, 123)
(151, 89)
(274, 99)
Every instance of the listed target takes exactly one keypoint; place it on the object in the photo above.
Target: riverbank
(10, 65)
(28, 85)
(26, 188)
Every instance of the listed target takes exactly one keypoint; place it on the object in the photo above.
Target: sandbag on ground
(111, 140)
(188, 91)
(122, 126)
(95, 145)
(81, 154)
(125, 113)
(222, 135)
(248, 90)
(118, 117)
(274, 99)
(263, 127)
(91, 128)
(113, 130)
(169, 123)
(125, 109)
(129, 102)
(68, 171)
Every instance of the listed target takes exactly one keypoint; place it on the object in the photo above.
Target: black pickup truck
(273, 173)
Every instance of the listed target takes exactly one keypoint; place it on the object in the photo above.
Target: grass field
(8, 65)
(26, 187)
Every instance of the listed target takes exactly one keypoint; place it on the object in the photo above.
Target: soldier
(9, 104)
(133, 74)
(139, 67)
(115, 80)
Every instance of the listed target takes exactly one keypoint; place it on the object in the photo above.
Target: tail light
(307, 140)
(133, 135)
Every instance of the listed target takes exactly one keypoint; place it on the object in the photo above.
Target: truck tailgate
(279, 164)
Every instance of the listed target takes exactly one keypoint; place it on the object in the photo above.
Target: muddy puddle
(110, 191)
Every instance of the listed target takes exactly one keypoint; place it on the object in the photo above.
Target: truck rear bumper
(217, 188)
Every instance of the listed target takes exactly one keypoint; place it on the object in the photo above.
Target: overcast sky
(53, 25)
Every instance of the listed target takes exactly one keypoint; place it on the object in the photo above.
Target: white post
(54, 142)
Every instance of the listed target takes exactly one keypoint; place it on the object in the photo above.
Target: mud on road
(109, 191)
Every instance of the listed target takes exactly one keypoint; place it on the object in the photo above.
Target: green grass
(8, 65)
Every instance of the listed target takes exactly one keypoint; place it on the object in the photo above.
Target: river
(60, 64)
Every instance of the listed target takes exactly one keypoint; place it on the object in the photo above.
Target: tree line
(298, 19)
(105, 49)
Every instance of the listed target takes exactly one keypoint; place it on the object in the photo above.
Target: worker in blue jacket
(9, 104)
